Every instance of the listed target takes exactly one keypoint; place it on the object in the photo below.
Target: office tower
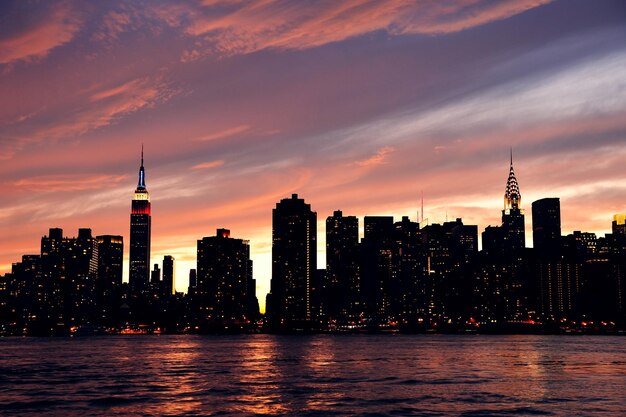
(551, 271)
(513, 215)
(81, 268)
(294, 262)
(342, 287)
(547, 227)
(140, 225)
(409, 287)
(110, 270)
(27, 306)
(53, 274)
(69, 276)
(225, 288)
(155, 287)
(168, 276)
(619, 224)
(463, 238)
(193, 277)
(376, 267)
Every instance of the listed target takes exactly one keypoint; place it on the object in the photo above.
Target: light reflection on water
(423, 375)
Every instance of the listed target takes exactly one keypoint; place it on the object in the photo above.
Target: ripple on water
(313, 375)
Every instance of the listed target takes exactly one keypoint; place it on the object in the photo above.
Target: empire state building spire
(512, 196)
(141, 185)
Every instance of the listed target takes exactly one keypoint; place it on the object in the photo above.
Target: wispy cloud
(222, 134)
(60, 183)
(97, 110)
(58, 27)
(380, 157)
(208, 165)
(234, 27)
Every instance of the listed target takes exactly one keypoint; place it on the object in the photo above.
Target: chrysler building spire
(512, 196)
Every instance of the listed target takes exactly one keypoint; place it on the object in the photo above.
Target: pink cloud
(380, 157)
(208, 165)
(99, 109)
(58, 28)
(234, 27)
(231, 131)
(59, 183)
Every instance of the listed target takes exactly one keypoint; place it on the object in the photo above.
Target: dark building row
(404, 275)
(72, 282)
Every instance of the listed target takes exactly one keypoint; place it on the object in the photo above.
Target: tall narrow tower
(294, 262)
(513, 215)
(140, 222)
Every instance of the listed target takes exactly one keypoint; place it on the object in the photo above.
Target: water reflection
(319, 375)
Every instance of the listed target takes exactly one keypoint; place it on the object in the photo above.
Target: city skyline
(361, 119)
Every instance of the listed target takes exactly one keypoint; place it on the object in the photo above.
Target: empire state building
(140, 221)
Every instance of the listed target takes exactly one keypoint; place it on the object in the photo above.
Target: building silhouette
(140, 231)
(376, 267)
(168, 276)
(294, 263)
(342, 288)
(225, 292)
(547, 227)
(109, 283)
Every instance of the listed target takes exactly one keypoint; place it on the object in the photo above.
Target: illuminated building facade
(294, 263)
(225, 292)
(140, 230)
(341, 299)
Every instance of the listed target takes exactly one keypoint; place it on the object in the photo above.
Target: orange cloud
(380, 157)
(232, 131)
(57, 183)
(234, 27)
(207, 165)
(101, 109)
(58, 28)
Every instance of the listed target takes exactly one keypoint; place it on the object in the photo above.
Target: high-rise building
(294, 263)
(140, 226)
(193, 279)
(547, 227)
(155, 282)
(225, 288)
(342, 288)
(69, 276)
(513, 215)
(110, 267)
(376, 266)
(619, 224)
(409, 289)
(168, 276)
(553, 274)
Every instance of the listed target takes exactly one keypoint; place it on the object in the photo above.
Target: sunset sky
(354, 105)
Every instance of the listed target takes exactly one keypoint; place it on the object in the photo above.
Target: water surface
(365, 375)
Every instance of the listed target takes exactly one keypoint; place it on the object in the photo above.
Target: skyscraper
(294, 262)
(513, 215)
(225, 288)
(140, 224)
(547, 227)
(376, 266)
(341, 292)
(619, 224)
(168, 276)
(109, 283)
